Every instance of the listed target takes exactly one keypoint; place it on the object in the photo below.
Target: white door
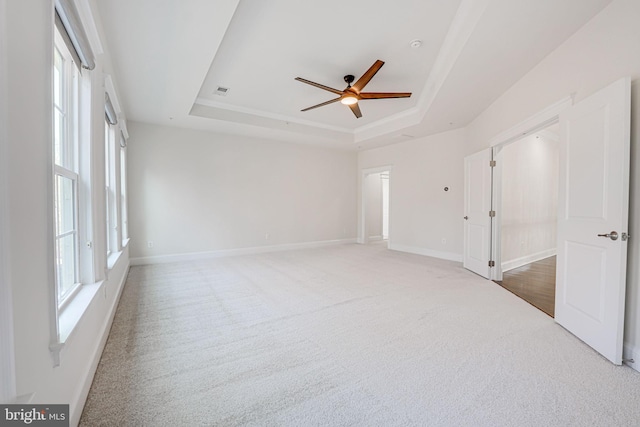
(592, 209)
(477, 205)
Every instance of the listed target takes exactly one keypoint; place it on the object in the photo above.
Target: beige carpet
(344, 336)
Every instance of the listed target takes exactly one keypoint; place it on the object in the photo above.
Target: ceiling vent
(221, 91)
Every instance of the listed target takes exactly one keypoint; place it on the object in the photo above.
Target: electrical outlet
(150, 244)
(266, 236)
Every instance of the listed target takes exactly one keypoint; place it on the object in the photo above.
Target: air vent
(222, 91)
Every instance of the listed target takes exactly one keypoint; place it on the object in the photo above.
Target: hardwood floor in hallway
(534, 283)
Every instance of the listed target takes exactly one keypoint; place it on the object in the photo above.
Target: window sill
(113, 259)
(71, 315)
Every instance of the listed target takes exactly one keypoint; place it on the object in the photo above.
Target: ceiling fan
(352, 94)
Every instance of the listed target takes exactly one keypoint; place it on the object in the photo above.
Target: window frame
(65, 140)
(110, 217)
(124, 214)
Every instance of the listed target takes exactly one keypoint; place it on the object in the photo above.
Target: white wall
(201, 192)
(529, 200)
(29, 210)
(373, 211)
(7, 367)
(604, 50)
(422, 214)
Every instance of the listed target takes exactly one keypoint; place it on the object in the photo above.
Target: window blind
(70, 26)
(110, 112)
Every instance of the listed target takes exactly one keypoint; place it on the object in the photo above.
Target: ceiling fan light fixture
(352, 94)
(349, 100)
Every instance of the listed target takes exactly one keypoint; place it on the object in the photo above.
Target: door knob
(466, 217)
(613, 235)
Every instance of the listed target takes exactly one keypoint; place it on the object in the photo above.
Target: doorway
(375, 194)
(528, 217)
(593, 202)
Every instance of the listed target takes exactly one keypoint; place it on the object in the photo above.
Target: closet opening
(527, 224)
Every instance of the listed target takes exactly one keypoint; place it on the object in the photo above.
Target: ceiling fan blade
(356, 110)
(362, 81)
(321, 105)
(318, 85)
(382, 95)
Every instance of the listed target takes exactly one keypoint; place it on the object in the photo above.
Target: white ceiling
(169, 56)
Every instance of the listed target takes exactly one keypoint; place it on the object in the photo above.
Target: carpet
(347, 335)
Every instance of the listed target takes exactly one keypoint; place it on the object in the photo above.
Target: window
(123, 190)
(65, 151)
(112, 174)
(77, 268)
(110, 217)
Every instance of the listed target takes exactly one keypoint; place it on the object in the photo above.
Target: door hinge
(492, 213)
(492, 163)
(492, 263)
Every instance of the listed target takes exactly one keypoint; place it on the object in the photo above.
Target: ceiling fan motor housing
(349, 79)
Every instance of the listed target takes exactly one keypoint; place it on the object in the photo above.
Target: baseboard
(194, 256)
(631, 357)
(81, 398)
(519, 262)
(375, 238)
(426, 252)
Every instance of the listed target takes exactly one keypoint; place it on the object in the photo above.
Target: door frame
(498, 198)
(363, 237)
(539, 121)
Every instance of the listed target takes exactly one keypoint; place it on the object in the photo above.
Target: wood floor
(534, 283)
